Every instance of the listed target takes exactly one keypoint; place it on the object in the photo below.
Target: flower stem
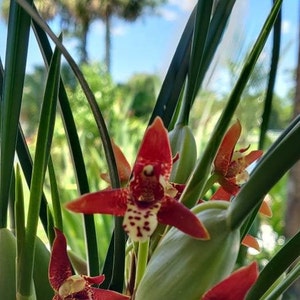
(142, 260)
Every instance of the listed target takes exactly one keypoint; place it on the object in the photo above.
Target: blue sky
(148, 44)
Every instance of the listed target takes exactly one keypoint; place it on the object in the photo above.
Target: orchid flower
(68, 286)
(229, 164)
(234, 287)
(149, 198)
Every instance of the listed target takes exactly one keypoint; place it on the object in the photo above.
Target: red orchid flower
(236, 286)
(149, 198)
(68, 286)
(230, 165)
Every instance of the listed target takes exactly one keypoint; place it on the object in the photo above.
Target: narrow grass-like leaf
(283, 284)
(175, 78)
(15, 63)
(76, 155)
(271, 82)
(57, 215)
(276, 266)
(196, 183)
(119, 237)
(119, 258)
(26, 164)
(217, 27)
(200, 32)
(42, 152)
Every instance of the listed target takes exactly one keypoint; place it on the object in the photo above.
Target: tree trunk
(108, 41)
(83, 51)
(292, 218)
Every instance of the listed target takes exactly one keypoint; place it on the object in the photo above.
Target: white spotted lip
(139, 222)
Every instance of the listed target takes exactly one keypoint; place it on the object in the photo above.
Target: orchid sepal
(235, 286)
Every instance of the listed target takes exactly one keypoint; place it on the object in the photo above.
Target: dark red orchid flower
(230, 165)
(234, 287)
(68, 286)
(149, 198)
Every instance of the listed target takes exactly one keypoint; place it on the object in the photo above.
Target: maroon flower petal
(221, 194)
(94, 280)
(229, 185)
(176, 214)
(155, 147)
(99, 294)
(236, 286)
(224, 155)
(109, 201)
(60, 267)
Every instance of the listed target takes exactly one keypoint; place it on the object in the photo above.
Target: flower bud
(185, 268)
(182, 142)
(7, 264)
(42, 286)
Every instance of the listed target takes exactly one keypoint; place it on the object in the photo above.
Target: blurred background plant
(126, 109)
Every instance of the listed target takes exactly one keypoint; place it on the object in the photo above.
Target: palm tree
(77, 16)
(81, 13)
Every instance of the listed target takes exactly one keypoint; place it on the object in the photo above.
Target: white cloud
(285, 26)
(119, 30)
(186, 5)
(167, 14)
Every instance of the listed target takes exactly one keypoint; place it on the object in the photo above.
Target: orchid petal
(109, 201)
(155, 148)
(225, 152)
(250, 241)
(60, 268)
(265, 209)
(94, 280)
(139, 223)
(176, 214)
(236, 286)
(229, 185)
(221, 194)
(123, 166)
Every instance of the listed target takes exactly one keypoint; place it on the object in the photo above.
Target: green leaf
(26, 164)
(174, 81)
(15, 63)
(276, 267)
(200, 32)
(271, 82)
(42, 152)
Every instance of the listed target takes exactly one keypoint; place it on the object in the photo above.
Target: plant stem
(142, 260)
